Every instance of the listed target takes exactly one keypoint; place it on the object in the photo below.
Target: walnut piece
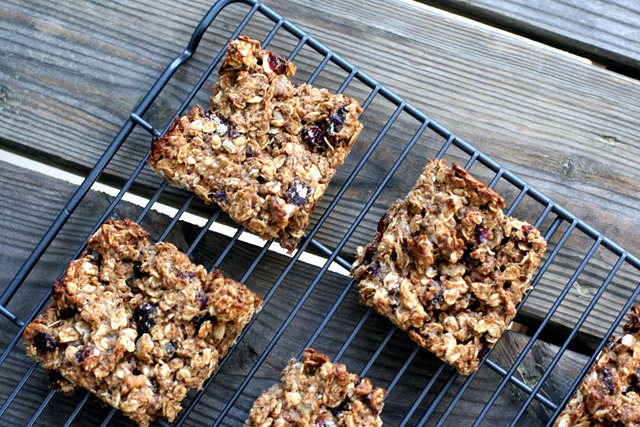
(267, 149)
(317, 393)
(448, 267)
(137, 324)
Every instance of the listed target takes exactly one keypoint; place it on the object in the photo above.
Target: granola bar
(448, 267)
(266, 150)
(137, 324)
(609, 395)
(317, 393)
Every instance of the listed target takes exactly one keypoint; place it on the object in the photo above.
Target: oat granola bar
(266, 150)
(317, 393)
(137, 324)
(609, 395)
(448, 267)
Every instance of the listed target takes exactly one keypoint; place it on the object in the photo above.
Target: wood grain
(71, 72)
(562, 125)
(289, 291)
(604, 31)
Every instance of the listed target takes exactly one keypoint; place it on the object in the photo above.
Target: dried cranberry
(143, 317)
(170, 350)
(483, 233)
(83, 353)
(436, 290)
(633, 324)
(202, 298)
(231, 133)
(43, 342)
(341, 407)
(218, 196)
(483, 351)
(55, 378)
(374, 270)
(199, 320)
(222, 123)
(325, 422)
(95, 256)
(297, 194)
(335, 122)
(187, 275)
(313, 135)
(526, 229)
(67, 313)
(369, 252)
(369, 403)
(610, 344)
(380, 228)
(277, 63)
(137, 272)
(607, 379)
(376, 238)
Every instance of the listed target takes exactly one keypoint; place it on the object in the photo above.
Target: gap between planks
(246, 237)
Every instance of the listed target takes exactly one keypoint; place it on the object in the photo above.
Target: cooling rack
(310, 301)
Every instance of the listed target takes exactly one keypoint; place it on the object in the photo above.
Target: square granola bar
(137, 324)
(266, 150)
(448, 267)
(609, 395)
(315, 392)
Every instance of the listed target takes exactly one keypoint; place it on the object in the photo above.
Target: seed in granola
(313, 135)
(83, 353)
(43, 342)
(297, 194)
(277, 63)
(143, 317)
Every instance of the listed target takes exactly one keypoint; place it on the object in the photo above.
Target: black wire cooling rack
(309, 298)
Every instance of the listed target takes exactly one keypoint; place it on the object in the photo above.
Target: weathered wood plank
(73, 71)
(559, 123)
(563, 168)
(604, 31)
(28, 212)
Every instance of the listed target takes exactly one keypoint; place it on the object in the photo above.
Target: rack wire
(314, 304)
